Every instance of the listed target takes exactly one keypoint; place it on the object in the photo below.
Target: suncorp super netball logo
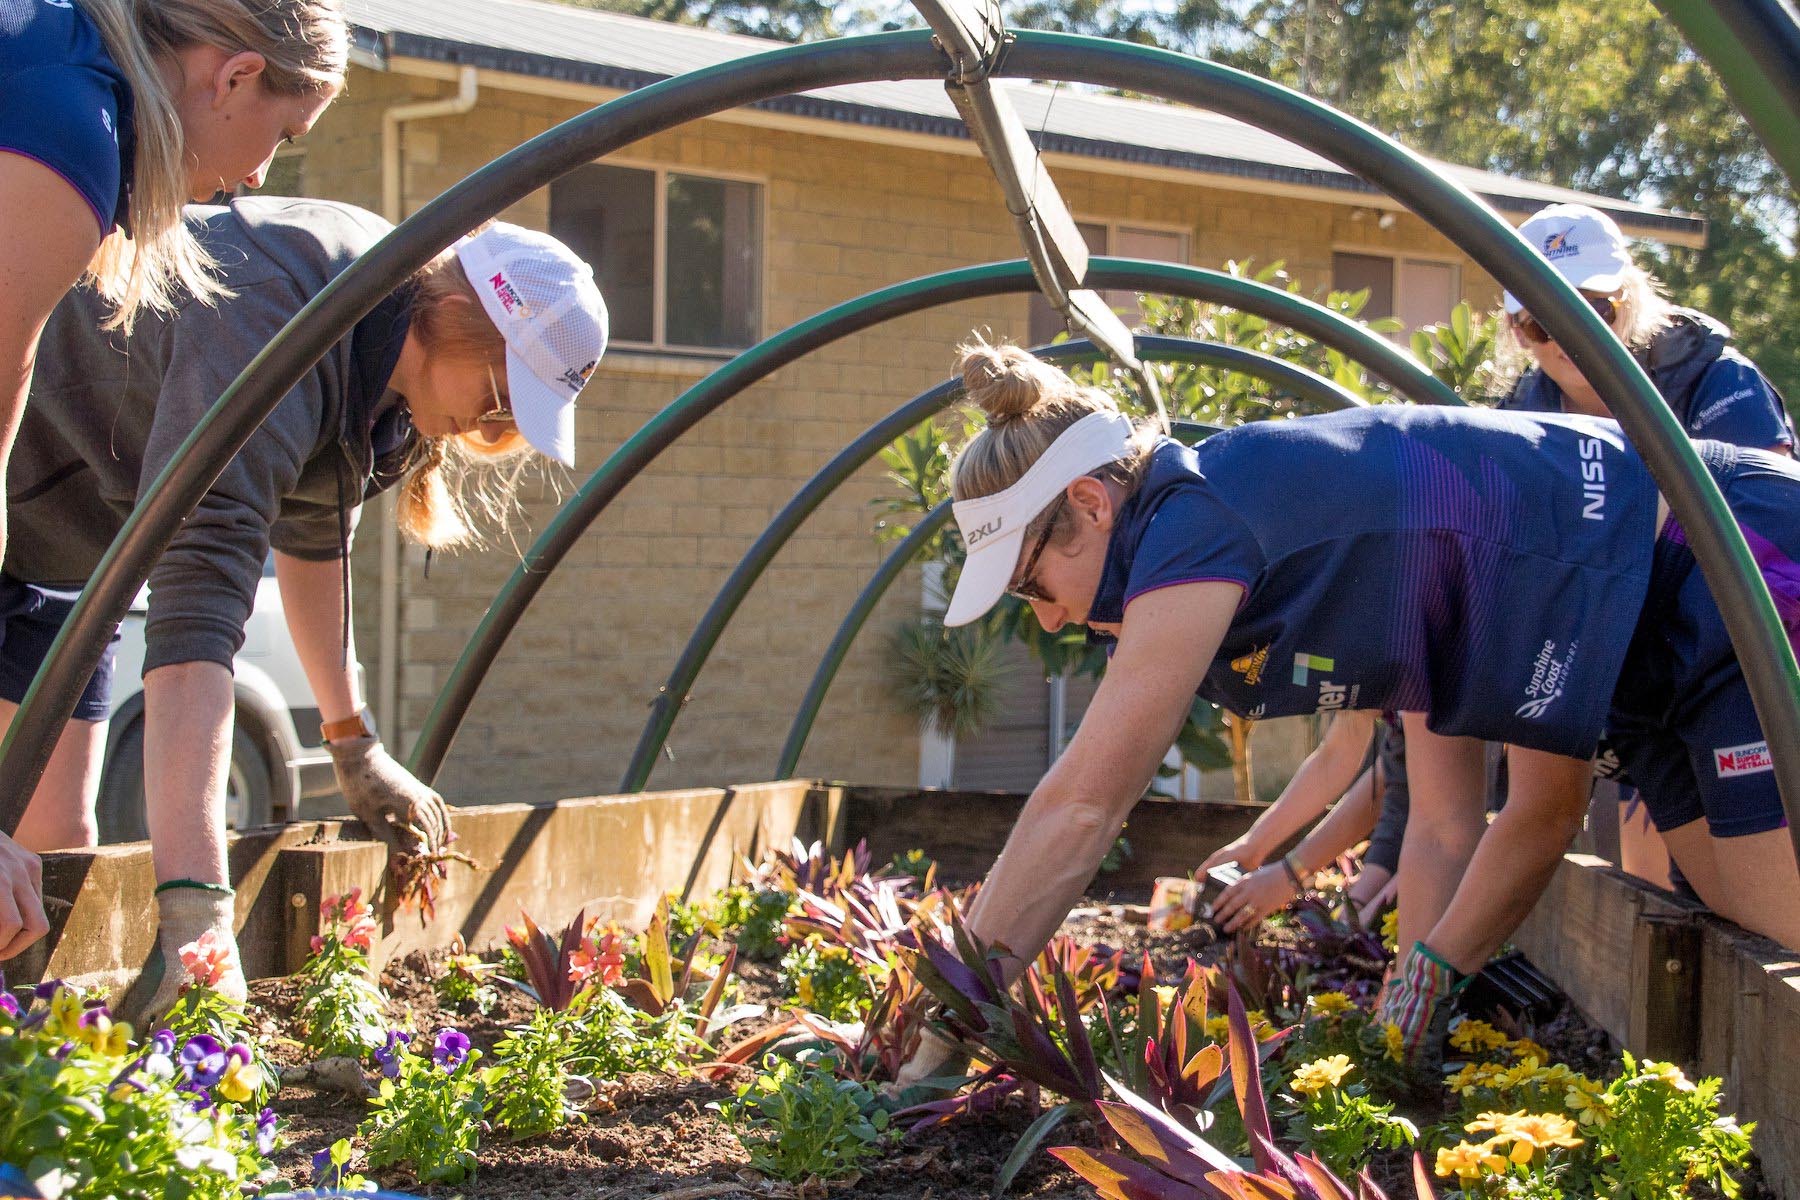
(1752, 758)
(507, 294)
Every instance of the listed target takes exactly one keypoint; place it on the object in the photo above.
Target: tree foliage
(1605, 98)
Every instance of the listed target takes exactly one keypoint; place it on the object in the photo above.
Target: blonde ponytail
(305, 44)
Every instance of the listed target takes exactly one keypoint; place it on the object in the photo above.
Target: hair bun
(1006, 382)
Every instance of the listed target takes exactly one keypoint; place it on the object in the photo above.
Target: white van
(277, 758)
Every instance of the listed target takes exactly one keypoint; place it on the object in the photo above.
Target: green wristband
(220, 888)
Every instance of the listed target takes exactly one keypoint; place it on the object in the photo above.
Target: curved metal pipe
(675, 692)
(863, 607)
(1398, 370)
(219, 435)
(1730, 570)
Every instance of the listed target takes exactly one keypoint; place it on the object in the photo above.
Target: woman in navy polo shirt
(1457, 566)
(114, 114)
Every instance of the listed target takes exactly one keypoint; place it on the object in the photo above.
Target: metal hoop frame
(1725, 560)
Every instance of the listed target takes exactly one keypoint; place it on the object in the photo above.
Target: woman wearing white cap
(439, 392)
(1714, 391)
(1449, 564)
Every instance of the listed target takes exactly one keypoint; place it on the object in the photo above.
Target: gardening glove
(184, 912)
(398, 809)
(936, 1056)
(1420, 1001)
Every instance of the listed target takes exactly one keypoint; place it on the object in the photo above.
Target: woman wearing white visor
(441, 391)
(1444, 563)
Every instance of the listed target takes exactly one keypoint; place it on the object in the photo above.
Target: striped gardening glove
(1420, 1001)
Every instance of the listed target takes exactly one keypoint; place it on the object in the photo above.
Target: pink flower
(360, 932)
(603, 958)
(318, 943)
(206, 960)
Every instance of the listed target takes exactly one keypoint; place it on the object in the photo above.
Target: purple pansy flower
(203, 1060)
(265, 1132)
(389, 1055)
(8, 1005)
(452, 1049)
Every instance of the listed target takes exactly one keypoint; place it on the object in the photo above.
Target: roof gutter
(387, 654)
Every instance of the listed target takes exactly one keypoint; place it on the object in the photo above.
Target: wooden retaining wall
(1670, 981)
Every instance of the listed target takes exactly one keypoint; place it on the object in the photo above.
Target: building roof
(610, 50)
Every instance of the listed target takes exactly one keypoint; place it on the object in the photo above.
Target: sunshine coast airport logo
(1549, 672)
(1250, 666)
(1752, 758)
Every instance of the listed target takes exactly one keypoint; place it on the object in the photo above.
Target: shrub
(799, 1121)
(755, 918)
(428, 1112)
(826, 979)
(341, 1009)
(527, 1084)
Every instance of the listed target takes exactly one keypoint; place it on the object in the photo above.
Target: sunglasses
(501, 413)
(1027, 588)
(1535, 334)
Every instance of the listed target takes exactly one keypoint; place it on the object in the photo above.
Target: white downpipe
(387, 654)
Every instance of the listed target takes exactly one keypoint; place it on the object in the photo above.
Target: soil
(653, 1136)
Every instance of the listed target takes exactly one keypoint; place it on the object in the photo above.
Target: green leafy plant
(800, 1121)
(463, 983)
(1662, 1133)
(1461, 352)
(1339, 1122)
(950, 679)
(428, 1112)
(753, 917)
(527, 1085)
(609, 1038)
(827, 979)
(917, 865)
(342, 1010)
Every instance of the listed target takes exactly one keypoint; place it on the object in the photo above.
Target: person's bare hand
(22, 919)
(1263, 891)
(1244, 852)
(1390, 892)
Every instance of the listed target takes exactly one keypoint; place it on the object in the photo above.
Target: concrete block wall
(562, 708)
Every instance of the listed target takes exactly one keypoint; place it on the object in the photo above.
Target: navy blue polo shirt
(65, 104)
(1484, 568)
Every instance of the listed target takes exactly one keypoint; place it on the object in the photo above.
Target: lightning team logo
(1250, 666)
(1558, 245)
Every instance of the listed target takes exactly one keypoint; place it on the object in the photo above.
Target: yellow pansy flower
(241, 1081)
(65, 1014)
(1320, 1074)
(103, 1035)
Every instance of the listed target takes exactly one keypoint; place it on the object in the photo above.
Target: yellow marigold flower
(1469, 1161)
(1587, 1100)
(1218, 1029)
(1470, 1036)
(1538, 1131)
(1390, 928)
(803, 991)
(1329, 1004)
(1518, 1075)
(1669, 1073)
(1320, 1074)
(1526, 1048)
(1396, 1042)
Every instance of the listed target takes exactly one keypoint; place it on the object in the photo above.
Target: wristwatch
(360, 724)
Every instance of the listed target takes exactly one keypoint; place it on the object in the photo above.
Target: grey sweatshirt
(106, 414)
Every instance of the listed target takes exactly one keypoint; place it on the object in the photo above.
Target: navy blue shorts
(65, 104)
(1682, 721)
(30, 618)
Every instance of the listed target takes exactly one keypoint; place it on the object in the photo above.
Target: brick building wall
(562, 708)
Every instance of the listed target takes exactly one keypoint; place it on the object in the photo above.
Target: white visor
(993, 527)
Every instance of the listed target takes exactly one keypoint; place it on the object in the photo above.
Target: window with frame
(1419, 291)
(1123, 241)
(678, 256)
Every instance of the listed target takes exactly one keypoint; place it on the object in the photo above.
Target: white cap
(993, 527)
(543, 300)
(1586, 247)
